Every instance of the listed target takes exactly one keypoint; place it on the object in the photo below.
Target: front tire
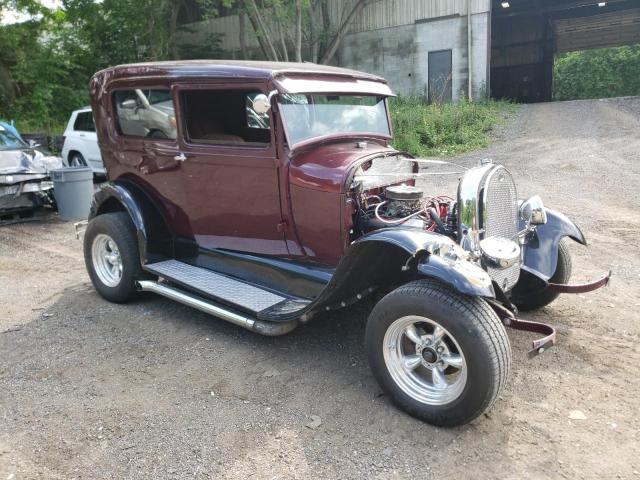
(440, 356)
(530, 292)
(111, 256)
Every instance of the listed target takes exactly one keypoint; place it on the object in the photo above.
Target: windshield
(8, 141)
(311, 116)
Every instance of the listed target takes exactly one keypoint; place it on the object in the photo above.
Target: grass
(447, 129)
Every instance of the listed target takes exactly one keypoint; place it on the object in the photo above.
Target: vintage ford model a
(267, 193)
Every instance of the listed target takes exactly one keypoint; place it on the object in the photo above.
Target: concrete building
(448, 49)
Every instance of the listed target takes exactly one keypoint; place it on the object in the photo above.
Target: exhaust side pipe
(270, 329)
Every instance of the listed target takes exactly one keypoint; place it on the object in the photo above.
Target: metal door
(440, 76)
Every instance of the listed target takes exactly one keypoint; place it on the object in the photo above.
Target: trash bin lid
(71, 174)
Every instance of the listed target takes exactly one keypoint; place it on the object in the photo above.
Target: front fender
(386, 257)
(465, 277)
(541, 249)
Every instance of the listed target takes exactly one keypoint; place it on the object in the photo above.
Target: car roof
(233, 69)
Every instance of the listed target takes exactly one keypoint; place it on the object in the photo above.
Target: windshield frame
(333, 136)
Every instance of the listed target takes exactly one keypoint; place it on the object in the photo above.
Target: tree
(605, 72)
(302, 27)
(47, 61)
(8, 87)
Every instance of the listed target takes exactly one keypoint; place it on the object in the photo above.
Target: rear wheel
(530, 292)
(77, 160)
(111, 256)
(440, 356)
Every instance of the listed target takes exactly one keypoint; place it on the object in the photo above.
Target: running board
(270, 329)
(224, 289)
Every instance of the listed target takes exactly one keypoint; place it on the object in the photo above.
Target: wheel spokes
(412, 334)
(453, 360)
(410, 362)
(437, 335)
(438, 378)
(425, 360)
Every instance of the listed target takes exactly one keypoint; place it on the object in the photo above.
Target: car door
(230, 171)
(155, 160)
(80, 137)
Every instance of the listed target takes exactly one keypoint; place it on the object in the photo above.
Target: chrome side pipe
(270, 329)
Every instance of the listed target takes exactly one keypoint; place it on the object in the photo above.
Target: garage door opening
(597, 73)
(529, 38)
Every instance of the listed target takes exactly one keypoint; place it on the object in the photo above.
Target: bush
(607, 72)
(444, 129)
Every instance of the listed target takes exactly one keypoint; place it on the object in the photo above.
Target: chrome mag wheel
(107, 261)
(424, 360)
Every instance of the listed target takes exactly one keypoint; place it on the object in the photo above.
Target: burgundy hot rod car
(267, 193)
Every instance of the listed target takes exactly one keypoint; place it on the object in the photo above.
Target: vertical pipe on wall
(469, 52)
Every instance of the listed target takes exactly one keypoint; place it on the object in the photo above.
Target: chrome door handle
(180, 158)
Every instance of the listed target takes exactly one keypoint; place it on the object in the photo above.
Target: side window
(226, 117)
(145, 113)
(84, 122)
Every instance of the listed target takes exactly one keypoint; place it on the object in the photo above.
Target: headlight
(500, 252)
(532, 211)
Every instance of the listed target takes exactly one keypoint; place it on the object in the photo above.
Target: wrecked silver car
(24, 175)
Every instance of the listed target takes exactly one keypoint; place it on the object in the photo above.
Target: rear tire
(77, 160)
(530, 292)
(440, 356)
(111, 256)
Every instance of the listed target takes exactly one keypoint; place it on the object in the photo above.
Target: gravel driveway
(157, 390)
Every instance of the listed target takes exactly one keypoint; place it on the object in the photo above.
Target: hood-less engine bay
(386, 196)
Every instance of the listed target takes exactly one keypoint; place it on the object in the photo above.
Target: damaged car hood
(25, 161)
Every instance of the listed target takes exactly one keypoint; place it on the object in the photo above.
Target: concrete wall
(395, 13)
(390, 52)
(400, 54)
(392, 38)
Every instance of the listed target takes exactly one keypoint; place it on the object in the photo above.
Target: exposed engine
(407, 205)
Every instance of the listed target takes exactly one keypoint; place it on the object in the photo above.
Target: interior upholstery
(219, 116)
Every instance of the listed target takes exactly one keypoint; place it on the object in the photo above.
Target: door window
(84, 122)
(146, 113)
(440, 76)
(226, 117)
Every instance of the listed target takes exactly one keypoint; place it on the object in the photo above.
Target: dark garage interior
(526, 35)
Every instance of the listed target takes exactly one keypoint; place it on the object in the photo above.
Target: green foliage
(39, 92)
(424, 129)
(607, 72)
(46, 63)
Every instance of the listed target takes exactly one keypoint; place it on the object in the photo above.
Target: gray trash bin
(73, 188)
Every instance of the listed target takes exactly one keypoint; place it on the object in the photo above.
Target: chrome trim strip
(469, 206)
(263, 328)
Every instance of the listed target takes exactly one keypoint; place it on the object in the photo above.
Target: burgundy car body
(268, 200)
(282, 216)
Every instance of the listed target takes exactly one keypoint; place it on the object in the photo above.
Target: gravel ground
(156, 390)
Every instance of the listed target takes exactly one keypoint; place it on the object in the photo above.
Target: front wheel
(440, 356)
(530, 293)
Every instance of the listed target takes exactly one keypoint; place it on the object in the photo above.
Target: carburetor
(403, 200)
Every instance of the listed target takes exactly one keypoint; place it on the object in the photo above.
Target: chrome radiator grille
(500, 219)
